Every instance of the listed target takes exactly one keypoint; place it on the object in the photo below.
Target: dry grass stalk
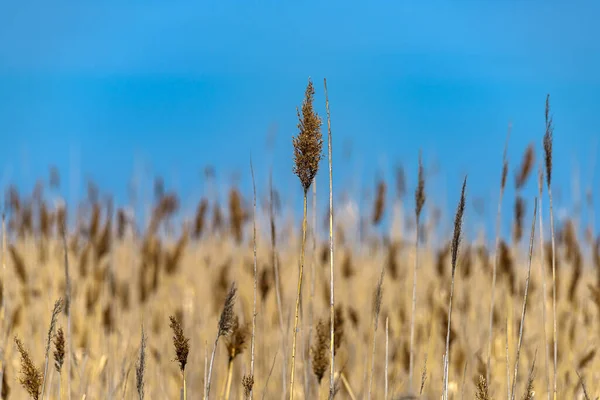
(387, 355)
(456, 239)
(308, 146)
(63, 233)
(548, 159)
(58, 308)
(529, 392)
(333, 343)
(140, 367)
(496, 249)
(182, 349)
(251, 377)
(543, 273)
(583, 387)
(31, 377)
(522, 326)
(248, 384)
(519, 215)
(419, 203)
(377, 299)
(226, 323)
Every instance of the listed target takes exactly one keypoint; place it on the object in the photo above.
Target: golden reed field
(239, 302)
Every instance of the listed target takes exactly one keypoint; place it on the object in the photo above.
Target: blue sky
(108, 89)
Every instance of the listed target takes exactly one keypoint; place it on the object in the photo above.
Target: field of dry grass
(141, 308)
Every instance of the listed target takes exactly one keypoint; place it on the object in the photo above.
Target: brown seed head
(548, 142)
(483, 391)
(181, 343)
(338, 328)
(519, 216)
(379, 205)
(59, 349)
(320, 356)
(308, 145)
(236, 340)
(458, 226)
(420, 191)
(31, 377)
(58, 307)
(226, 320)
(378, 297)
(526, 167)
(247, 383)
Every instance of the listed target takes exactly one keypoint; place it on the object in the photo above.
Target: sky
(115, 89)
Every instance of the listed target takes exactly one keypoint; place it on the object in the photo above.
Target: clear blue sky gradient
(104, 89)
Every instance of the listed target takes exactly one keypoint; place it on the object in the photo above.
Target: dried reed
(58, 307)
(31, 377)
(548, 159)
(377, 299)
(455, 245)
(419, 203)
(522, 326)
(140, 367)
(307, 155)
(182, 349)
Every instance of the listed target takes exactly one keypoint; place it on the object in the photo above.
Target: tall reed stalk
(522, 325)
(307, 155)
(331, 282)
(455, 245)
(543, 273)
(419, 203)
(496, 254)
(548, 159)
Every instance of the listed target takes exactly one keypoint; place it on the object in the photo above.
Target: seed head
(458, 226)
(308, 145)
(141, 367)
(420, 192)
(181, 343)
(226, 320)
(548, 142)
(526, 167)
(59, 349)
(236, 341)
(320, 356)
(31, 378)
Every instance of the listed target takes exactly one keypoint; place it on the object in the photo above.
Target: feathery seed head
(526, 167)
(59, 349)
(420, 192)
(226, 320)
(308, 145)
(247, 383)
(236, 340)
(320, 356)
(31, 377)
(458, 226)
(181, 343)
(141, 367)
(548, 142)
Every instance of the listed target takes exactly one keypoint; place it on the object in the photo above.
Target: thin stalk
(522, 325)
(3, 311)
(300, 272)
(229, 375)
(447, 353)
(205, 366)
(312, 282)
(276, 273)
(347, 386)
(210, 367)
(496, 255)
(387, 354)
(331, 291)
(67, 310)
(184, 388)
(544, 292)
(414, 309)
(255, 278)
(554, 328)
(507, 365)
(59, 387)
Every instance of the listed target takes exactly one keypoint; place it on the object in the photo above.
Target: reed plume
(526, 167)
(320, 357)
(419, 203)
(182, 349)
(377, 299)
(140, 367)
(255, 276)
(482, 390)
(548, 159)
(529, 392)
(522, 325)
(379, 205)
(456, 238)
(308, 146)
(31, 377)
(224, 327)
